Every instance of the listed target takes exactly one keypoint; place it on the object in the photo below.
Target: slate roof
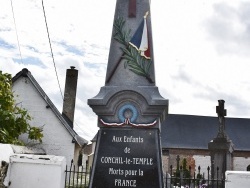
(26, 73)
(195, 132)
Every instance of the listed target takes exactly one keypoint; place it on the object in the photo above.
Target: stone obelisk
(129, 107)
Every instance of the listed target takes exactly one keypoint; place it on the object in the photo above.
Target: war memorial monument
(129, 107)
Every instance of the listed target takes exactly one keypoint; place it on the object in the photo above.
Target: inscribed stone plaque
(127, 158)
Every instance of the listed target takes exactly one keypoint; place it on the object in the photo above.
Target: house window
(165, 152)
(248, 168)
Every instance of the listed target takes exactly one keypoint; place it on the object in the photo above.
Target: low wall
(235, 179)
(39, 171)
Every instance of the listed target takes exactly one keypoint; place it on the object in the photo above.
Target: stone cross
(132, 9)
(221, 116)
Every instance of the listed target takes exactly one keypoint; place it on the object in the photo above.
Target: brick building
(188, 136)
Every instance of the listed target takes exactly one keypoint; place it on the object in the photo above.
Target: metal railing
(179, 177)
(77, 177)
(183, 178)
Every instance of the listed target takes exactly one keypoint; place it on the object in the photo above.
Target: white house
(59, 137)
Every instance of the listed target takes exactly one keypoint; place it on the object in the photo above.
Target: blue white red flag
(140, 39)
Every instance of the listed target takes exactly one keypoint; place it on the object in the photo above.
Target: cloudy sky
(201, 51)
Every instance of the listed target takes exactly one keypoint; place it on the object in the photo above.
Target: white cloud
(229, 27)
(200, 49)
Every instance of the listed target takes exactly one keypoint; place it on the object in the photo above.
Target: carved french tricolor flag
(140, 39)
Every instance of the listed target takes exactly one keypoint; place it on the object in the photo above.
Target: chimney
(70, 95)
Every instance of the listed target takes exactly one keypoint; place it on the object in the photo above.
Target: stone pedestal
(221, 150)
(127, 157)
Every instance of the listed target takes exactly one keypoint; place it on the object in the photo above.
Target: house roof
(26, 73)
(195, 132)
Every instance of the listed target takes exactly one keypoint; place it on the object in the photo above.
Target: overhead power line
(18, 44)
(51, 50)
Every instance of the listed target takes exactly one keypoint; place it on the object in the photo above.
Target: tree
(14, 120)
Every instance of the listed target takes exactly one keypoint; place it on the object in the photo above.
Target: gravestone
(129, 107)
(221, 147)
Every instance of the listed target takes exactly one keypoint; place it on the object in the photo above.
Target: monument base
(127, 157)
(221, 150)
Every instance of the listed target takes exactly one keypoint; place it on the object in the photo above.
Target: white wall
(5, 152)
(202, 161)
(237, 179)
(57, 140)
(241, 163)
(36, 171)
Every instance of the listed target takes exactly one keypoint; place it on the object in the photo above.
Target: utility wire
(51, 50)
(16, 31)
(79, 126)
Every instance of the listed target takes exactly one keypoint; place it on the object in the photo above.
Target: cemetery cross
(221, 116)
